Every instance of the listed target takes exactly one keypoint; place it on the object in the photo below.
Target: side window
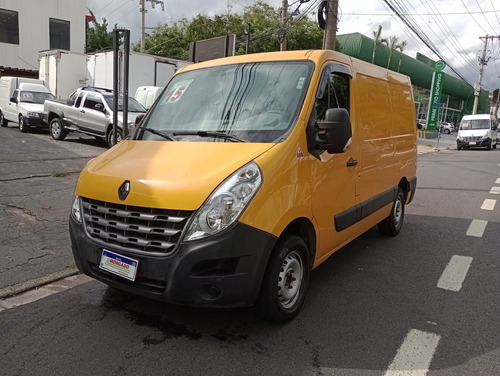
(93, 101)
(79, 99)
(334, 95)
(15, 94)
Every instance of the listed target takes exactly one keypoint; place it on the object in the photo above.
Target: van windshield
(475, 124)
(34, 97)
(249, 102)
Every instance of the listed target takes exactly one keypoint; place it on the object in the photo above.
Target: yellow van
(247, 173)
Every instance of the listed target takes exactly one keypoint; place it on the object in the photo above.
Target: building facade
(30, 26)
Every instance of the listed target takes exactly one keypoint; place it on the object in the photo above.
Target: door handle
(82, 111)
(352, 162)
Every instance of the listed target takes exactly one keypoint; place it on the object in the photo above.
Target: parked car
(25, 106)
(89, 110)
(445, 127)
(421, 124)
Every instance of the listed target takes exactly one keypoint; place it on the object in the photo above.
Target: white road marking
(488, 204)
(498, 181)
(455, 272)
(476, 228)
(495, 191)
(415, 354)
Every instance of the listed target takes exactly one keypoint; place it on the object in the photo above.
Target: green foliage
(98, 37)
(173, 40)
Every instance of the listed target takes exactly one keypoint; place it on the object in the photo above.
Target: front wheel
(394, 222)
(22, 125)
(285, 282)
(57, 130)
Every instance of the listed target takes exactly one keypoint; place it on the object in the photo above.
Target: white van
(146, 95)
(7, 86)
(26, 106)
(478, 130)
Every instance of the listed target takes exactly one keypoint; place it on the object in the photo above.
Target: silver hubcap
(290, 279)
(56, 130)
(398, 212)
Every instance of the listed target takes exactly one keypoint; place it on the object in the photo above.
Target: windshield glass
(252, 102)
(34, 97)
(475, 124)
(133, 105)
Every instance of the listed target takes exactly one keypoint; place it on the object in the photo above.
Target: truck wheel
(109, 137)
(285, 282)
(488, 146)
(22, 125)
(392, 225)
(3, 121)
(57, 129)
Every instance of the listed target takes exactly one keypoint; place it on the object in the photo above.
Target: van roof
(33, 87)
(478, 116)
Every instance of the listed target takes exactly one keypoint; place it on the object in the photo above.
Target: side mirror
(139, 118)
(334, 132)
(14, 99)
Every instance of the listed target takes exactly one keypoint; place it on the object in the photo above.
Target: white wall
(34, 29)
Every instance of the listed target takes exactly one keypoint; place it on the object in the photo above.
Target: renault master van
(478, 130)
(247, 173)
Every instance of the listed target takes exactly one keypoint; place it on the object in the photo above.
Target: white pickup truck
(89, 110)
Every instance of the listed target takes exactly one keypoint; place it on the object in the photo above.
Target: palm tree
(393, 45)
(376, 40)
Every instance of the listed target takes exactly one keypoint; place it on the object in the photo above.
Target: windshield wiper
(159, 133)
(211, 134)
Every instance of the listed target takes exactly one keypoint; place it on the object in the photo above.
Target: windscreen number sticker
(177, 91)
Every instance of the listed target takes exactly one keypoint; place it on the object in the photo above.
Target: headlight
(131, 126)
(226, 203)
(33, 114)
(75, 210)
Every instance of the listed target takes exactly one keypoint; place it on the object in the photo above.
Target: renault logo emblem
(124, 190)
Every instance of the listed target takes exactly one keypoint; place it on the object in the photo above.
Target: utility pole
(284, 11)
(483, 60)
(331, 24)
(143, 10)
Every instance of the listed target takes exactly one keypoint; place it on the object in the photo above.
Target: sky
(456, 29)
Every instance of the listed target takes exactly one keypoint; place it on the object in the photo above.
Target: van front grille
(134, 228)
(473, 139)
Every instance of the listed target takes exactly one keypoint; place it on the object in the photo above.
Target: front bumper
(475, 144)
(35, 122)
(222, 271)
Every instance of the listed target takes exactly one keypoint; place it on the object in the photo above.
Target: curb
(34, 283)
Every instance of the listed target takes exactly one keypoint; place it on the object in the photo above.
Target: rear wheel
(3, 120)
(109, 138)
(57, 130)
(285, 283)
(22, 125)
(394, 222)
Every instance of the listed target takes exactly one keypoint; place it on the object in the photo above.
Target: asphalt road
(423, 303)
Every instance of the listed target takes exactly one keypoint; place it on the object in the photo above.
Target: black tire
(495, 146)
(23, 127)
(285, 283)
(488, 146)
(447, 131)
(57, 130)
(392, 225)
(109, 137)
(459, 147)
(3, 120)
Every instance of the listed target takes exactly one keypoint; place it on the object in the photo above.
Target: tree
(174, 40)
(393, 45)
(376, 41)
(98, 37)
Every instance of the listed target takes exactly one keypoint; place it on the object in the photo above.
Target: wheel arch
(304, 229)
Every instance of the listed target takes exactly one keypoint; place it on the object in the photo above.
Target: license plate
(118, 264)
